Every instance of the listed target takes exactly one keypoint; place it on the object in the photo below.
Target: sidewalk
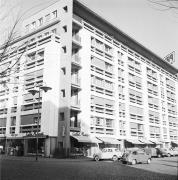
(33, 158)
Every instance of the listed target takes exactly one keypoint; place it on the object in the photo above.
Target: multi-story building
(106, 87)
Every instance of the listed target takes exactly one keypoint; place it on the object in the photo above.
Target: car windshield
(104, 150)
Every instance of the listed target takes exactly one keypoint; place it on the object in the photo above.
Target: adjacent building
(107, 89)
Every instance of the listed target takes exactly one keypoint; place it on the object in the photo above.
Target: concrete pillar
(47, 147)
(25, 147)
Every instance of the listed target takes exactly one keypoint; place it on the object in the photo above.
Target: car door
(141, 156)
(104, 154)
(110, 153)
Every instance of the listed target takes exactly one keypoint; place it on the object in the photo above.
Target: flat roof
(90, 16)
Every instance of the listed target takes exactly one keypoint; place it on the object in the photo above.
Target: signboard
(170, 58)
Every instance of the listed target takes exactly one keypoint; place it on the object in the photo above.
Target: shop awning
(175, 142)
(109, 140)
(86, 139)
(134, 141)
(146, 141)
(156, 142)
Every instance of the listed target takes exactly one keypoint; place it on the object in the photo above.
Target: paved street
(23, 168)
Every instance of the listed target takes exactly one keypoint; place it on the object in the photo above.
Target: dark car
(161, 152)
(136, 156)
(156, 152)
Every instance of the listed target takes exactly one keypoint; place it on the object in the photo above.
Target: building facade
(105, 85)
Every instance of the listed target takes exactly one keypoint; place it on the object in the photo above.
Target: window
(153, 102)
(135, 97)
(64, 70)
(65, 8)
(135, 81)
(152, 75)
(46, 34)
(154, 132)
(61, 116)
(63, 93)
(54, 31)
(34, 25)
(122, 110)
(170, 84)
(64, 48)
(54, 14)
(136, 113)
(27, 27)
(137, 130)
(40, 36)
(122, 127)
(65, 28)
(120, 75)
(40, 21)
(47, 17)
(120, 61)
(134, 65)
(154, 117)
(152, 88)
(172, 108)
(121, 92)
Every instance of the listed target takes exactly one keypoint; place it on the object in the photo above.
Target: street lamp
(33, 92)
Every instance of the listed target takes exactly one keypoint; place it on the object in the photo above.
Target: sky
(148, 24)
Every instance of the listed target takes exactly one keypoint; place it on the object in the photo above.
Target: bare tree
(11, 16)
(165, 5)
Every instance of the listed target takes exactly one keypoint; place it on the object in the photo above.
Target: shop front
(84, 145)
(174, 144)
(108, 142)
(133, 143)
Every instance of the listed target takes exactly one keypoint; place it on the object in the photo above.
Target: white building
(106, 87)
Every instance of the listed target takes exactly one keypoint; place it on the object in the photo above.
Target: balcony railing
(77, 38)
(76, 59)
(76, 81)
(75, 103)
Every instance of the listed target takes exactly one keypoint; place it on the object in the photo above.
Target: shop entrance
(32, 146)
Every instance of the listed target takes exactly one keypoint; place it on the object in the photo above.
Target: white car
(169, 152)
(175, 151)
(108, 153)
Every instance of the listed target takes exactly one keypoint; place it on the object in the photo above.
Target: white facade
(100, 86)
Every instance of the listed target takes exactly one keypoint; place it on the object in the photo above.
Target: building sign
(170, 58)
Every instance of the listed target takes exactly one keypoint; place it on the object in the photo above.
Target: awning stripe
(109, 140)
(134, 141)
(156, 142)
(175, 142)
(86, 139)
(146, 141)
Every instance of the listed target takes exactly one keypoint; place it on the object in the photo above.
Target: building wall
(96, 82)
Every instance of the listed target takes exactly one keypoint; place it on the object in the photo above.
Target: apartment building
(107, 89)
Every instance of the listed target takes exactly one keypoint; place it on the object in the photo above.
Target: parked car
(136, 156)
(108, 153)
(175, 151)
(169, 152)
(162, 152)
(156, 152)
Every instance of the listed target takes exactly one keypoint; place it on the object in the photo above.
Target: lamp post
(33, 92)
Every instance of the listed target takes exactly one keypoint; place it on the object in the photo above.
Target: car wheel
(148, 161)
(134, 162)
(159, 155)
(96, 158)
(168, 155)
(114, 158)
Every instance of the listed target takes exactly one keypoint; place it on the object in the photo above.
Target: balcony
(76, 60)
(76, 41)
(76, 83)
(77, 21)
(75, 104)
(75, 126)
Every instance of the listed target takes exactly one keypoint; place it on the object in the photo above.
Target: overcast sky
(157, 30)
